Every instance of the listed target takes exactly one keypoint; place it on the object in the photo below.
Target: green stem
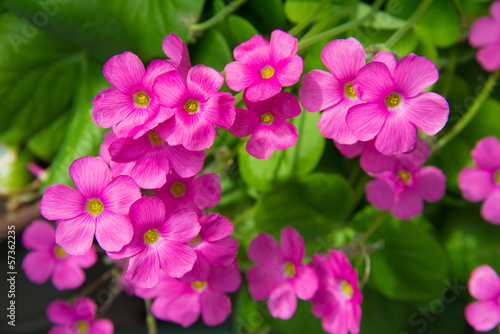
(327, 22)
(469, 114)
(409, 24)
(341, 28)
(375, 225)
(297, 145)
(297, 29)
(150, 319)
(221, 15)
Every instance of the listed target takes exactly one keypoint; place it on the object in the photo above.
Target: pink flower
(213, 246)
(48, 259)
(77, 318)
(485, 35)
(183, 300)
(130, 107)
(152, 159)
(484, 284)
(176, 49)
(193, 193)
(394, 104)
(116, 168)
(280, 274)
(338, 298)
(483, 182)
(158, 242)
(197, 106)
(403, 188)
(266, 122)
(333, 92)
(99, 206)
(263, 68)
(372, 161)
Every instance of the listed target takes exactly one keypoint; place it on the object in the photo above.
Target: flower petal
(430, 183)
(344, 58)
(171, 89)
(176, 49)
(192, 131)
(284, 134)
(265, 250)
(102, 326)
(176, 259)
(148, 173)
(119, 195)
(221, 252)
(292, 245)
(282, 302)
(407, 205)
(239, 76)
(413, 74)
(67, 276)
(285, 106)
(124, 71)
(475, 184)
(484, 283)
(372, 161)
(61, 202)
(288, 70)
(260, 144)
(224, 279)
(113, 231)
(184, 310)
(428, 112)
(254, 52)
(245, 123)
(39, 235)
(282, 45)
(203, 82)
(484, 315)
(484, 31)
(155, 68)
(75, 236)
(262, 280)
(397, 135)
(215, 307)
(84, 309)
(219, 109)
(207, 190)
(387, 58)
(144, 269)
(380, 194)
(486, 153)
(366, 119)
(181, 226)
(124, 150)
(490, 210)
(263, 89)
(214, 227)
(90, 175)
(489, 57)
(332, 123)
(374, 82)
(111, 106)
(352, 150)
(60, 313)
(183, 162)
(38, 266)
(305, 282)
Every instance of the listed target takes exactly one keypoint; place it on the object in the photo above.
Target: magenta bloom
(158, 242)
(213, 246)
(153, 158)
(77, 318)
(279, 274)
(99, 206)
(484, 285)
(197, 106)
(483, 182)
(485, 35)
(403, 188)
(183, 300)
(176, 49)
(338, 298)
(116, 168)
(266, 122)
(193, 193)
(333, 92)
(130, 107)
(394, 104)
(263, 68)
(372, 161)
(48, 259)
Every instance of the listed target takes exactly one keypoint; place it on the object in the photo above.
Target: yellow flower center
(191, 106)
(393, 100)
(82, 326)
(346, 289)
(94, 206)
(267, 72)
(195, 242)
(141, 99)
(59, 252)
(349, 91)
(405, 176)
(267, 118)
(497, 176)
(199, 285)
(151, 236)
(154, 139)
(178, 189)
(289, 269)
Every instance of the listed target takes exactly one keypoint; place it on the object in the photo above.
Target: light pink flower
(99, 206)
(48, 259)
(483, 182)
(197, 104)
(182, 301)
(158, 242)
(485, 35)
(484, 285)
(280, 274)
(333, 92)
(116, 168)
(130, 107)
(152, 159)
(176, 49)
(262, 67)
(403, 188)
(338, 298)
(266, 123)
(193, 193)
(77, 318)
(395, 105)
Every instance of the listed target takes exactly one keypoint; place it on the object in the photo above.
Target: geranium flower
(395, 105)
(483, 182)
(265, 122)
(197, 106)
(158, 242)
(48, 259)
(262, 67)
(485, 35)
(338, 298)
(280, 274)
(99, 206)
(130, 107)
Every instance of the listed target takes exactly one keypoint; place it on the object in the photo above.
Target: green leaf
(313, 205)
(303, 156)
(482, 125)
(237, 30)
(303, 321)
(84, 136)
(380, 21)
(37, 74)
(370, 36)
(211, 50)
(14, 173)
(411, 265)
(78, 22)
(298, 10)
(266, 14)
(45, 143)
(452, 159)
(147, 22)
